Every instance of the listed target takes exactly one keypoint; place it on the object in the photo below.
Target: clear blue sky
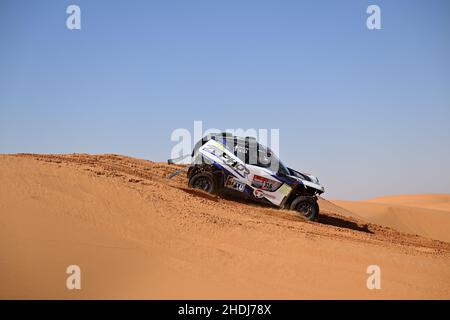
(368, 112)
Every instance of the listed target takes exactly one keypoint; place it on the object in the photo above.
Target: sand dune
(425, 215)
(428, 201)
(136, 234)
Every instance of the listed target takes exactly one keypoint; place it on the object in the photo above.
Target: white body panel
(259, 180)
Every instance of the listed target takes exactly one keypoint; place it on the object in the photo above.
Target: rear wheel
(306, 206)
(204, 181)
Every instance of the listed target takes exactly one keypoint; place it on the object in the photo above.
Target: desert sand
(136, 234)
(425, 215)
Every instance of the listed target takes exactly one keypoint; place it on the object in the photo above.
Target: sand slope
(136, 234)
(425, 215)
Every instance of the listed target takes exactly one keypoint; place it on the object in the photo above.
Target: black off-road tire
(204, 181)
(306, 206)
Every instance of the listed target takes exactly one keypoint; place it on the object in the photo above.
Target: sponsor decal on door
(234, 184)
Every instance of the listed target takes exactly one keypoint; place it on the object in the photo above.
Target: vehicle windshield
(275, 163)
(254, 153)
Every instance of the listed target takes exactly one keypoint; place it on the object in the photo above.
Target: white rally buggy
(223, 163)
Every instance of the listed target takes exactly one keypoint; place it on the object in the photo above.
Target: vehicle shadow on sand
(341, 222)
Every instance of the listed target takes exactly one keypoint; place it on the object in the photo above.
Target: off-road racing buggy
(241, 167)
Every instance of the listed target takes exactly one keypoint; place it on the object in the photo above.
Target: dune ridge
(426, 215)
(428, 201)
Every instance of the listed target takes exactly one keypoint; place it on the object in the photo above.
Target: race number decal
(265, 183)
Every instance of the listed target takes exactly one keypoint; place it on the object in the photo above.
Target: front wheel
(204, 181)
(306, 206)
